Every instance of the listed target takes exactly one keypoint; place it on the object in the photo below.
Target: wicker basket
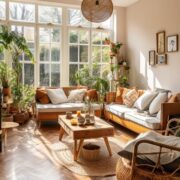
(90, 152)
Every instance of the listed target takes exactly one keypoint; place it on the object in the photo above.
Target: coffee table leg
(79, 148)
(61, 133)
(75, 150)
(108, 146)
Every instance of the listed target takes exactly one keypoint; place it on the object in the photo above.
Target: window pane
(55, 75)
(96, 70)
(29, 74)
(105, 54)
(84, 37)
(49, 14)
(73, 68)
(32, 49)
(22, 12)
(73, 53)
(27, 32)
(44, 52)
(74, 17)
(73, 36)
(83, 53)
(44, 34)
(55, 35)
(96, 54)
(44, 74)
(55, 53)
(96, 37)
(104, 36)
(2, 9)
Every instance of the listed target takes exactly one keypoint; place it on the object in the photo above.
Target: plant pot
(90, 152)
(19, 117)
(8, 118)
(26, 116)
(6, 91)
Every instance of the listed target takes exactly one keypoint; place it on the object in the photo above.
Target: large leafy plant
(15, 44)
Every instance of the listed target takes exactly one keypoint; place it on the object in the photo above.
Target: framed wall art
(160, 42)
(172, 43)
(152, 58)
(161, 59)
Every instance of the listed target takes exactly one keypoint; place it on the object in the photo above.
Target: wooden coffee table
(101, 129)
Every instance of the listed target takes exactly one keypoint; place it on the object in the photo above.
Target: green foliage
(123, 81)
(5, 74)
(84, 77)
(16, 45)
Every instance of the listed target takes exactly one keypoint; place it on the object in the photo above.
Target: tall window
(60, 38)
(27, 66)
(86, 45)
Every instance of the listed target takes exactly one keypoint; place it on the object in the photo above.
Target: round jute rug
(105, 166)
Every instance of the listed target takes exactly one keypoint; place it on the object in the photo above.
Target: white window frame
(64, 38)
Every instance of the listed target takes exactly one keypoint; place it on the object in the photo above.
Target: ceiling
(124, 3)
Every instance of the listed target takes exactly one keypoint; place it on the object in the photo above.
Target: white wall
(143, 20)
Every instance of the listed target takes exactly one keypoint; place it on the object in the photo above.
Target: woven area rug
(105, 166)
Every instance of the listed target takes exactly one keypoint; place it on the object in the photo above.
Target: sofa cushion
(155, 105)
(143, 119)
(64, 107)
(42, 96)
(144, 101)
(92, 94)
(131, 97)
(118, 109)
(119, 93)
(76, 95)
(57, 96)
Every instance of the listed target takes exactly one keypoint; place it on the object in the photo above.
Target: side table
(5, 127)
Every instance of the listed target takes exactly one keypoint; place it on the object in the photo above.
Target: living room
(89, 89)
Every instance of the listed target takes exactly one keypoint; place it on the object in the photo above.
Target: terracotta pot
(7, 118)
(19, 117)
(6, 91)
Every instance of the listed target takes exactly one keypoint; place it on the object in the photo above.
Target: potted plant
(5, 77)
(16, 45)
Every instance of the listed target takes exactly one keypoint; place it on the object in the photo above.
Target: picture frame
(160, 42)
(173, 43)
(161, 59)
(152, 57)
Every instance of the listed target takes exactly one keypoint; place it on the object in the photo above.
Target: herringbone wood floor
(27, 155)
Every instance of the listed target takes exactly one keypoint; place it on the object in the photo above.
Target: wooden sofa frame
(167, 110)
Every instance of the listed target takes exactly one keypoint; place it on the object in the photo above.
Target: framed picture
(172, 43)
(160, 42)
(161, 59)
(152, 58)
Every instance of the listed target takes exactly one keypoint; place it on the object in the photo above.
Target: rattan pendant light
(97, 10)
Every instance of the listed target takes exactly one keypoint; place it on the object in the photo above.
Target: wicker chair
(131, 170)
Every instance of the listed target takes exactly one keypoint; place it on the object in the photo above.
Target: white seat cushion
(64, 107)
(118, 109)
(143, 119)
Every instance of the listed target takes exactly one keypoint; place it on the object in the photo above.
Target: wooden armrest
(168, 109)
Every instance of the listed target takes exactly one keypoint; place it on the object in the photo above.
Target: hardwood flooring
(22, 159)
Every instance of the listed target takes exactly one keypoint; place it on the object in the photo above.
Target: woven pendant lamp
(97, 10)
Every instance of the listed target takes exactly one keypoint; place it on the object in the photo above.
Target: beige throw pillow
(76, 95)
(144, 101)
(155, 105)
(130, 97)
(57, 96)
